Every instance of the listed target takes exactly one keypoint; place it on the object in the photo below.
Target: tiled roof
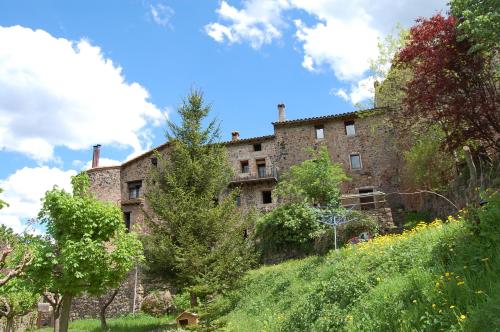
(325, 117)
(250, 139)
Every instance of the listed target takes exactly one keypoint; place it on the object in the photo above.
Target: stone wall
(105, 183)
(88, 306)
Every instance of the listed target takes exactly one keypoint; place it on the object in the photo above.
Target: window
(355, 161)
(238, 200)
(366, 199)
(154, 161)
(257, 147)
(267, 197)
(245, 167)
(127, 218)
(261, 168)
(134, 189)
(350, 130)
(320, 131)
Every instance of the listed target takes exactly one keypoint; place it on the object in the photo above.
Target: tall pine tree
(195, 240)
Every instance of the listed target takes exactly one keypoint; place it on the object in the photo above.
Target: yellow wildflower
(433, 305)
(460, 283)
(414, 301)
(447, 274)
(452, 306)
(462, 317)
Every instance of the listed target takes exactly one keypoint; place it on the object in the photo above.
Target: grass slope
(131, 323)
(443, 276)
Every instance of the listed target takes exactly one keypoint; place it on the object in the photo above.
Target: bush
(361, 223)
(157, 303)
(182, 301)
(288, 227)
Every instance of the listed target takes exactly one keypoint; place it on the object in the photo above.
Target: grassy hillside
(443, 276)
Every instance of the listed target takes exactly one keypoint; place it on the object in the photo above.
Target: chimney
(281, 113)
(235, 136)
(95, 156)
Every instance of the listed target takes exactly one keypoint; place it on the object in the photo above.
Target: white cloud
(342, 37)
(362, 90)
(56, 92)
(342, 93)
(345, 47)
(24, 189)
(82, 165)
(161, 14)
(258, 23)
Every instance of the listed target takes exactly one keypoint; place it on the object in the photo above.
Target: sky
(78, 73)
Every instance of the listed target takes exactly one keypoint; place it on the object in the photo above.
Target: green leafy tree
(2, 203)
(17, 294)
(18, 298)
(87, 248)
(479, 21)
(293, 226)
(427, 164)
(196, 239)
(315, 181)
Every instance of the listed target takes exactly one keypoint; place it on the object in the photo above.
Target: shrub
(182, 301)
(157, 303)
(288, 227)
(361, 223)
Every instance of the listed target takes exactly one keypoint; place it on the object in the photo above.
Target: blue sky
(78, 73)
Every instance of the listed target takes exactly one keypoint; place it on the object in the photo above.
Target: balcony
(262, 174)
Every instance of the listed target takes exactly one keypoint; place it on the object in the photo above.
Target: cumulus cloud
(341, 37)
(258, 22)
(161, 14)
(23, 191)
(57, 92)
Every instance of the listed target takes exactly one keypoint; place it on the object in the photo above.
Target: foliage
(157, 303)
(182, 301)
(361, 223)
(439, 276)
(427, 165)
(478, 21)
(390, 79)
(197, 241)
(130, 323)
(2, 203)
(87, 248)
(17, 294)
(291, 226)
(449, 86)
(314, 181)
(413, 218)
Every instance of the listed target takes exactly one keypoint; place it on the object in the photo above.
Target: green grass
(443, 276)
(131, 323)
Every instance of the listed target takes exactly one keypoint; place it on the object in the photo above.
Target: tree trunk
(9, 326)
(104, 306)
(65, 310)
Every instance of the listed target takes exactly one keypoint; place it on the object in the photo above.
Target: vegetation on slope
(437, 276)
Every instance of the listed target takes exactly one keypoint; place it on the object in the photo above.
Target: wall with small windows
(363, 145)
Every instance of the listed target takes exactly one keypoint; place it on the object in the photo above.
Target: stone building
(359, 141)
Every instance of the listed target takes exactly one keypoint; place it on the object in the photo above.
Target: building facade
(359, 141)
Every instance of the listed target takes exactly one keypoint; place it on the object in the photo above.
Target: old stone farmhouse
(358, 140)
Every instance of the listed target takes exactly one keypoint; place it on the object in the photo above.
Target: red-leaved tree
(449, 86)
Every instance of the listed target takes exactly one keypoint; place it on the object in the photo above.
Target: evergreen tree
(196, 241)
